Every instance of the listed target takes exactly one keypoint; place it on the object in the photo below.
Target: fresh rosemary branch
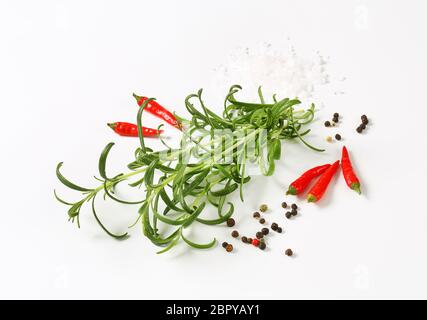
(209, 165)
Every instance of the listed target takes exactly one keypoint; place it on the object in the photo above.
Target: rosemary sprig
(179, 183)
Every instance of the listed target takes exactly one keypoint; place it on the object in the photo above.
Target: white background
(69, 67)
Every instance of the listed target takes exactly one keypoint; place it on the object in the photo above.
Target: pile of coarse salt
(281, 72)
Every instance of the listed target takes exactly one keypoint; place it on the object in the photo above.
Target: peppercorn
(255, 242)
(235, 234)
(294, 206)
(288, 214)
(336, 115)
(327, 124)
(284, 205)
(359, 129)
(279, 230)
(262, 220)
(256, 215)
(338, 137)
(265, 231)
(244, 239)
(289, 252)
(365, 121)
(294, 212)
(262, 245)
(274, 225)
(263, 208)
(224, 244)
(363, 126)
(364, 117)
(231, 222)
(229, 248)
(250, 240)
(334, 120)
(259, 235)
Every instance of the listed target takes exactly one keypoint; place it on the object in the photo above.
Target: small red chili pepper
(159, 111)
(348, 172)
(303, 181)
(318, 190)
(255, 242)
(131, 130)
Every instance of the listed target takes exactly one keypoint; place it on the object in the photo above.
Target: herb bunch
(178, 183)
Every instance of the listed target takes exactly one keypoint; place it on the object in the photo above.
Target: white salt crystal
(281, 72)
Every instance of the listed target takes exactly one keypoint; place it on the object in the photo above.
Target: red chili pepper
(159, 111)
(318, 190)
(131, 130)
(348, 172)
(255, 242)
(303, 181)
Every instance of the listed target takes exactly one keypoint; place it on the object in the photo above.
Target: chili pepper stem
(112, 125)
(311, 198)
(291, 191)
(356, 187)
(136, 97)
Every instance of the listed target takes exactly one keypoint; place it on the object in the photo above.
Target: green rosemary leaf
(172, 244)
(139, 123)
(261, 96)
(68, 183)
(226, 190)
(74, 211)
(197, 245)
(137, 182)
(196, 182)
(103, 160)
(60, 200)
(120, 236)
(274, 149)
(169, 203)
(117, 199)
(194, 215)
(162, 241)
(219, 220)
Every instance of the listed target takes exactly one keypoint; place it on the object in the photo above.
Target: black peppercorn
(359, 129)
(274, 225)
(259, 235)
(262, 220)
(256, 215)
(364, 117)
(249, 240)
(284, 205)
(363, 126)
(336, 115)
(338, 137)
(279, 230)
(235, 234)
(224, 244)
(288, 214)
(265, 231)
(289, 252)
(294, 206)
(365, 121)
(244, 239)
(262, 245)
(327, 124)
(294, 212)
(231, 222)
